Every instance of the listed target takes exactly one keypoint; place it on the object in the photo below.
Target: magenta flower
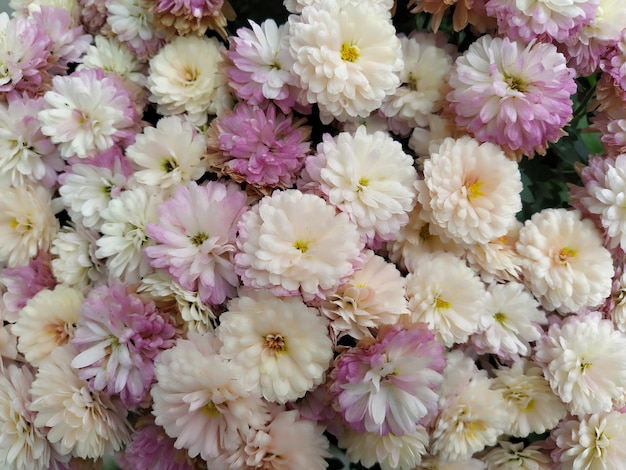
(389, 386)
(261, 147)
(195, 238)
(512, 94)
(118, 338)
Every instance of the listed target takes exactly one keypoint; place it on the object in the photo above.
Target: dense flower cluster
(255, 248)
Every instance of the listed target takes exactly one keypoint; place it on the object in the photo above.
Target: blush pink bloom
(118, 337)
(389, 386)
(260, 147)
(195, 238)
(512, 94)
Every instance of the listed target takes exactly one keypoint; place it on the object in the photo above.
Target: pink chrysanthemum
(195, 238)
(261, 147)
(546, 20)
(614, 62)
(259, 65)
(88, 111)
(181, 17)
(118, 337)
(389, 386)
(24, 53)
(512, 94)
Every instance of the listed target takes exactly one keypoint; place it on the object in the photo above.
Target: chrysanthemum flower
(75, 263)
(296, 243)
(24, 51)
(470, 192)
(195, 238)
(511, 321)
(388, 386)
(200, 401)
(124, 233)
(433, 462)
(87, 189)
(259, 65)
(463, 13)
(48, 320)
(604, 198)
(282, 345)
(390, 452)
(446, 295)
(373, 296)
(583, 359)
(340, 65)
(118, 337)
(182, 17)
(472, 417)
(86, 112)
(22, 283)
(23, 446)
(169, 154)
(540, 19)
(184, 77)
(27, 223)
(132, 23)
(564, 263)
(369, 177)
(512, 94)
(427, 63)
(531, 405)
(595, 441)
(26, 155)
(84, 423)
(262, 147)
(514, 456)
(286, 441)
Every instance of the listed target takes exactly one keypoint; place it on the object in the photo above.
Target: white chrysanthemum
(510, 456)
(531, 405)
(390, 452)
(470, 419)
(606, 199)
(198, 316)
(369, 177)
(199, 400)
(296, 6)
(425, 73)
(184, 77)
(75, 262)
(132, 22)
(341, 65)
(282, 344)
(471, 191)
(497, 260)
(618, 314)
(446, 295)
(88, 189)
(564, 262)
(124, 233)
(85, 423)
(607, 25)
(110, 55)
(511, 321)
(415, 240)
(292, 241)
(170, 154)
(595, 442)
(23, 446)
(438, 463)
(47, 321)
(373, 296)
(423, 139)
(584, 360)
(27, 223)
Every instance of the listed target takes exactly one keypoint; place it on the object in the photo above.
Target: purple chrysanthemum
(118, 337)
(195, 238)
(261, 147)
(259, 65)
(389, 386)
(512, 94)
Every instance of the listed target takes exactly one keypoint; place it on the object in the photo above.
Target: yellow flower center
(441, 304)
(515, 83)
(168, 165)
(190, 74)
(349, 52)
(301, 246)
(566, 254)
(199, 238)
(211, 410)
(500, 317)
(474, 189)
(276, 343)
